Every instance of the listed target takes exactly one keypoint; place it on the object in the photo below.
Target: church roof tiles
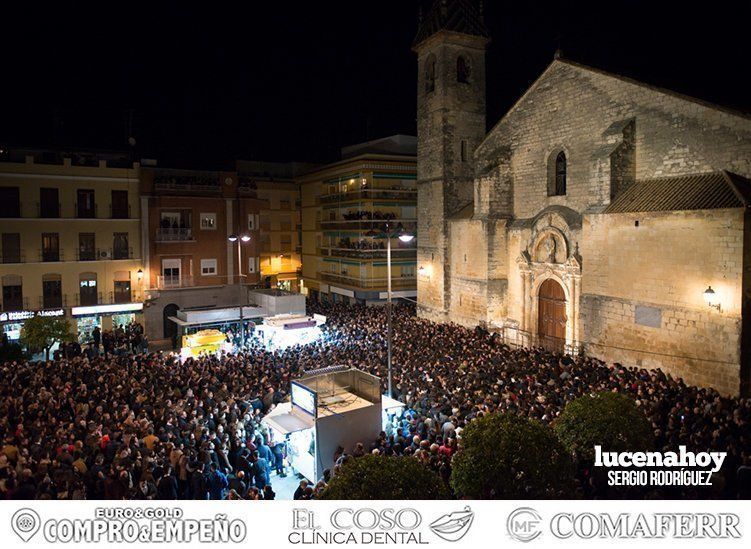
(452, 15)
(705, 191)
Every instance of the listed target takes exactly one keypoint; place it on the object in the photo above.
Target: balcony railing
(174, 235)
(171, 282)
(49, 210)
(51, 255)
(120, 212)
(21, 304)
(13, 257)
(107, 298)
(364, 224)
(397, 282)
(85, 212)
(369, 194)
(372, 253)
(52, 301)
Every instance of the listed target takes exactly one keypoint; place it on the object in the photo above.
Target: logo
(25, 523)
(682, 468)
(524, 524)
(454, 526)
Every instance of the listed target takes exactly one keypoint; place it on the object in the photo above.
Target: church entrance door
(551, 316)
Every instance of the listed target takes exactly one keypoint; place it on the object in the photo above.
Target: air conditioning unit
(104, 254)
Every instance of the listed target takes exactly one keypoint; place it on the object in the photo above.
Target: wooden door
(551, 316)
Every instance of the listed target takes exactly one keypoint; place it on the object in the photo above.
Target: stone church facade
(593, 217)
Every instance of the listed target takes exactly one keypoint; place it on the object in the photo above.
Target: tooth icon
(25, 523)
(453, 526)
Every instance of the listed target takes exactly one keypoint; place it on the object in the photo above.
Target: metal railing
(397, 282)
(174, 235)
(364, 224)
(49, 211)
(52, 301)
(17, 257)
(51, 255)
(108, 298)
(16, 305)
(85, 213)
(170, 282)
(369, 194)
(120, 212)
(365, 253)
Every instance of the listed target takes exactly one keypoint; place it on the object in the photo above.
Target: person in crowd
(119, 423)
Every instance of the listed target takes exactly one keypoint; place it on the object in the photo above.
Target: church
(600, 215)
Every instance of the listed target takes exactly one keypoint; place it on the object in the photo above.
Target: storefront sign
(15, 316)
(106, 309)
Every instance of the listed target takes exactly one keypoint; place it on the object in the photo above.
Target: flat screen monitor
(304, 398)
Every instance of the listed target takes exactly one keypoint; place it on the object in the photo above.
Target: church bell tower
(450, 47)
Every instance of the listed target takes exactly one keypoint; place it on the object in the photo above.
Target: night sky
(206, 83)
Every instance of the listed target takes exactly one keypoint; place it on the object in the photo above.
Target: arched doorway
(170, 328)
(551, 316)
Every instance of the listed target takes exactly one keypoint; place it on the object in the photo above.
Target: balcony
(16, 304)
(407, 195)
(185, 182)
(174, 282)
(51, 255)
(48, 210)
(85, 211)
(120, 211)
(184, 234)
(367, 253)
(52, 301)
(90, 299)
(15, 256)
(397, 282)
(364, 224)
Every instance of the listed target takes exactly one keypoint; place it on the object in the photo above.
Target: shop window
(208, 267)
(208, 221)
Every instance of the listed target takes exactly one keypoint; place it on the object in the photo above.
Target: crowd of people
(141, 425)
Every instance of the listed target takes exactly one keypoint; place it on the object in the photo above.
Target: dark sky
(213, 81)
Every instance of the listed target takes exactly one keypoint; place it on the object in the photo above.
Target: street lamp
(404, 236)
(242, 238)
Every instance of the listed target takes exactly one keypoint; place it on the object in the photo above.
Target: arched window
(430, 74)
(557, 174)
(462, 70)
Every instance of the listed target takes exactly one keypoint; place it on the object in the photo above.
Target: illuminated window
(208, 221)
(208, 267)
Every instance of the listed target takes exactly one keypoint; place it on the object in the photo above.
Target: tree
(505, 456)
(611, 420)
(40, 333)
(385, 477)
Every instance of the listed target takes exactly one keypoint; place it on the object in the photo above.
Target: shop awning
(284, 420)
(388, 403)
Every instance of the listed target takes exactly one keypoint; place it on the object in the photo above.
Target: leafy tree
(385, 477)
(611, 420)
(506, 456)
(40, 333)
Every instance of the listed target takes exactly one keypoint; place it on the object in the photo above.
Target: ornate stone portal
(551, 257)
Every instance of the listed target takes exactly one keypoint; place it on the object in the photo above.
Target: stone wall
(642, 292)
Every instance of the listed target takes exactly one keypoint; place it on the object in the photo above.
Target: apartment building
(70, 239)
(279, 221)
(343, 205)
(203, 241)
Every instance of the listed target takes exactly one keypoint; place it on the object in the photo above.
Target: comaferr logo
(657, 525)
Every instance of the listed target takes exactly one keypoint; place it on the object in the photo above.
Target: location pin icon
(25, 523)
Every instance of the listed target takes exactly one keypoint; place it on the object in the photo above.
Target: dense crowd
(141, 425)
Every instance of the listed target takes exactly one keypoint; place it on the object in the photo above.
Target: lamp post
(242, 238)
(404, 236)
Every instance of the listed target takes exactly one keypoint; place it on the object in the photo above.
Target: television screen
(304, 398)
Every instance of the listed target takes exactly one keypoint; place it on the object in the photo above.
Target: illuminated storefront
(88, 318)
(12, 321)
